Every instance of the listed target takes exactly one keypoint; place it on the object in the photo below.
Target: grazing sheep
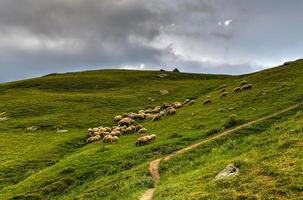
(243, 83)
(156, 117)
(192, 102)
(110, 139)
(138, 127)
(237, 89)
(139, 116)
(224, 94)
(129, 130)
(157, 109)
(115, 139)
(118, 118)
(142, 130)
(177, 105)
(93, 139)
(207, 101)
(152, 137)
(126, 121)
(171, 111)
(162, 113)
(145, 140)
(247, 87)
(186, 101)
(142, 141)
(115, 133)
(149, 116)
(164, 106)
(107, 129)
(133, 127)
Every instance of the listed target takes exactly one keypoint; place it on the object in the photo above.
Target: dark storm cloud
(211, 36)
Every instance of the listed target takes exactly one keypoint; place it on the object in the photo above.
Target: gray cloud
(41, 36)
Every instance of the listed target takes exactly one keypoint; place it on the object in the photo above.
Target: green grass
(49, 165)
(269, 156)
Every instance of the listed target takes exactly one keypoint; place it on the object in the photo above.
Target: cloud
(41, 36)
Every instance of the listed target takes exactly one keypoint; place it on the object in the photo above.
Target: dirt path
(154, 165)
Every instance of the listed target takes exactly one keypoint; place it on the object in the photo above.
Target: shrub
(232, 121)
(212, 131)
(176, 70)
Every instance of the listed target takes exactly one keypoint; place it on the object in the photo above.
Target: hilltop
(46, 164)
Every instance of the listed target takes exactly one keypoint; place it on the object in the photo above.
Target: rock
(61, 131)
(3, 119)
(230, 170)
(151, 99)
(162, 75)
(32, 128)
(222, 86)
(163, 92)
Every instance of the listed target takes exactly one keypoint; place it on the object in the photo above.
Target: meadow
(44, 164)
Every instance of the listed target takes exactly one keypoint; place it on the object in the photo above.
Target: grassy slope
(269, 155)
(45, 164)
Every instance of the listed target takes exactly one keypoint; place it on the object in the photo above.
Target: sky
(39, 37)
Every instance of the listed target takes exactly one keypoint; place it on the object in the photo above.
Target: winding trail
(154, 165)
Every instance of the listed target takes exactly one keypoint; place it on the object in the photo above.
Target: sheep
(93, 139)
(247, 86)
(192, 102)
(142, 130)
(224, 90)
(224, 94)
(142, 141)
(177, 105)
(107, 129)
(145, 140)
(152, 137)
(149, 116)
(157, 109)
(237, 89)
(132, 115)
(165, 106)
(140, 116)
(186, 101)
(156, 117)
(133, 127)
(115, 139)
(207, 101)
(118, 118)
(115, 133)
(110, 139)
(138, 127)
(243, 83)
(126, 121)
(171, 111)
(128, 130)
(162, 113)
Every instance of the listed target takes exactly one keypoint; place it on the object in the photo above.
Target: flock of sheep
(126, 123)
(242, 86)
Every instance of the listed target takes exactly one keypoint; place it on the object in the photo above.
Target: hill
(45, 164)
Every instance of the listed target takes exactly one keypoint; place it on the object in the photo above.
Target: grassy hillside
(47, 165)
